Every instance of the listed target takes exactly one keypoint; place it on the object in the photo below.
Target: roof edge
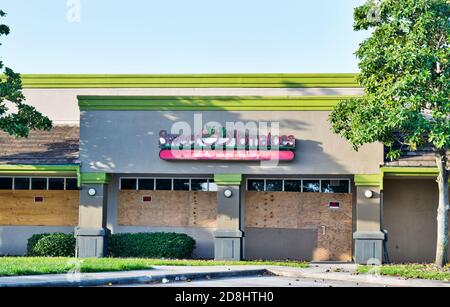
(270, 80)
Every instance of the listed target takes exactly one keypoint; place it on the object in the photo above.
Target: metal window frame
(207, 180)
(283, 179)
(30, 185)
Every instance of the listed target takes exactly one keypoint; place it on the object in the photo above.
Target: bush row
(121, 245)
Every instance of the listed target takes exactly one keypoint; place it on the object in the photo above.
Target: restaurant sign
(231, 146)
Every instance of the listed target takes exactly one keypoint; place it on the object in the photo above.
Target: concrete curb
(143, 279)
(359, 278)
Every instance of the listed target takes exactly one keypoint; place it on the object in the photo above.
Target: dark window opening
(335, 186)
(71, 184)
(199, 185)
(56, 183)
(146, 184)
(292, 185)
(127, 184)
(6, 183)
(21, 183)
(274, 185)
(181, 184)
(312, 186)
(255, 185)
(164, 184)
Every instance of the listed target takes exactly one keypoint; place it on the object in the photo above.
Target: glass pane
(164, 184)
(335, 186)
(311, 186)
(39, 183)
(292, 185)
(6, 183)
(199, 185)
(146, 184)
(56, 183)
(274, 185)
(71, 184)
(22, 183)
(128, 184)
(255, 185)
(181, 184)
(212, 187)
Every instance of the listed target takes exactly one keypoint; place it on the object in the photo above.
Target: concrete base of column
(228, 245)
(91, 242)
(369, 247)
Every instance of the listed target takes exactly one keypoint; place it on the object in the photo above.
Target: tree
(22, 118)
(404, 70)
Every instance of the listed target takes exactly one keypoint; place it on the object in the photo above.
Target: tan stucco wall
(61, 105)
(410, 209)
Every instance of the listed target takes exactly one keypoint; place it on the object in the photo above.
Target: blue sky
(181, 36)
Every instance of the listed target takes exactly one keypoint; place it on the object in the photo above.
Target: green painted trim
(213, 103)
(343, 80)
(396, 171)
(39, 169)
(409, 171)
(228, 179)
(366, 180)
(95, 178)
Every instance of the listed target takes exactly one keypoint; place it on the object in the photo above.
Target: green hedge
(123, 245)
(151, 245)
(51, 245)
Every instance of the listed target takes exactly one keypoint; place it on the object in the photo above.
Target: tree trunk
(442, 214)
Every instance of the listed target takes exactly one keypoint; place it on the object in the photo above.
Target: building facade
(116, 161)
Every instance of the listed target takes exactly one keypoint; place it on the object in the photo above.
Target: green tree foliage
(405, 74)
(21, 118)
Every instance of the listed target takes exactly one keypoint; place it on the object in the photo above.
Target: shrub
(51, 245)
(151, 245)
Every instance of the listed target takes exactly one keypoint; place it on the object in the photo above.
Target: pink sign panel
(227, 155)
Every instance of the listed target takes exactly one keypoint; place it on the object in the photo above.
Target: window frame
(301, 182)
(207, 179)
(30, 185)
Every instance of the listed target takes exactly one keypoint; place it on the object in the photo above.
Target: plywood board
(167, 208)
(59, 208)
(279, 210)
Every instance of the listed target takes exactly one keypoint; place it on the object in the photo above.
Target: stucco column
(228, 236)
(368, 236)
(91, 232)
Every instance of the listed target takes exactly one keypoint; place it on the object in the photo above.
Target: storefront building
(106, 167)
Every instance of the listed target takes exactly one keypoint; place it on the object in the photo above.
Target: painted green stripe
(190, 81)
(95, 178)
(39, 169)
(208, 103)
(395, 171)
(410, 171)
(366, 180)
(228, 179)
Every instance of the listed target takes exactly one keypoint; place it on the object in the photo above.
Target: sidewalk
(162, 274)
(157, 275)
(347, 272)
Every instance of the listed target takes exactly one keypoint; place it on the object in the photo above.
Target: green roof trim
(39, 169)
(228, 179)
(368, 180)
(95, 178)
(213, 103)
(395, 171)
(306, 80)
(409, 171)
